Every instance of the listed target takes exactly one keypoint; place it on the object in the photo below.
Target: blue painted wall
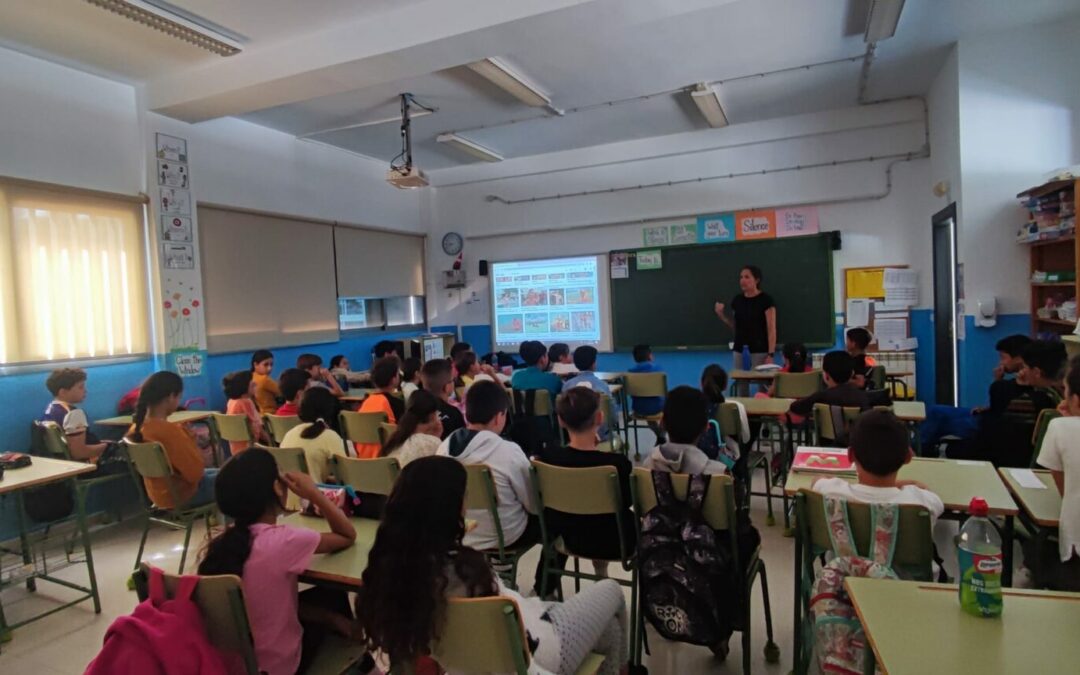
(978, 356)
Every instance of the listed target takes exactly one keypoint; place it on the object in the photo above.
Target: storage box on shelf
(1050, 234)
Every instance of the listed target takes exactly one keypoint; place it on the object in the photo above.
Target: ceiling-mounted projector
(403, 175)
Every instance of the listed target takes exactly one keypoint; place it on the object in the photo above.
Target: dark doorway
(946, 366)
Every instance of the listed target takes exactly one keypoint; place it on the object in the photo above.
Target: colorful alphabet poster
(796, 222)
(755, 225)
(716, 228)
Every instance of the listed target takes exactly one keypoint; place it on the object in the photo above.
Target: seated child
(855, 343)
(239, 388)
(317, 435)
(879, 447)
(419, 430)
(535, 375)
(480, 442)
(595, 537)
(469, 370)
(421, 557)
(320, 377)
(292, 383)
(410, 377)
(715, 445)
(585, 363)
(685, 420)
(383, 349)
(385, 377)
(647, 405)
(458, 349)
(342, 371)
(1061, 454)
(159, 397)
(437, 378)
(837, 368)
(266, 389)
(68, 387)
(286, 627)
(559, 359)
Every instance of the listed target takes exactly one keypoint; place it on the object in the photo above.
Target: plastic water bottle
(980, 562)
(746, 357)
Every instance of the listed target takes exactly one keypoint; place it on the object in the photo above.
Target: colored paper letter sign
(718, 227)
(649, 260)
(755, 225)
(656, 236)
(683, 234)
(795, 222)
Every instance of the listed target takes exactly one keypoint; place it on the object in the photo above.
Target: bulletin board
(868, 284)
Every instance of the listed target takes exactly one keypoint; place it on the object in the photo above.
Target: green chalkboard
(672, 307)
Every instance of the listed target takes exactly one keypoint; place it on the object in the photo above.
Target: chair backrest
(375, 476)
(876, 377)
(482, 635)
(578, 491)
(798, 385)
(221, 601)
(646, 384)
(279, 425)
(727, 416)
(53, 439)
(361, 427)
(288, 459)
(718, 509)
(1045, 417)
(233, 428)
(386, 430)
(914, 553)
(542, 403)
(480, 493)
(148, 460)
(826, 428)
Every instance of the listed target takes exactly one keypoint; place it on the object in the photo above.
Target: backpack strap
(885, 521)
(184, 590)
(699, 487)
(665, 492)
(836, 517)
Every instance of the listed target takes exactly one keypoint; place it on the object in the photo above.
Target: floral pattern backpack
(839, 641)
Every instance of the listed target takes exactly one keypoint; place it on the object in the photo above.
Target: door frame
(941, 219)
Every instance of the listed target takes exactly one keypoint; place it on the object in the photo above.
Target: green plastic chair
(481, 495)
(643, 385)
(583, 492)
(54, 442)
(148, 460)
(374, 476)
(361, 427)
(913, 557)
(876, 378)
(228, 429)
(486, 635)
(727, 416)
(288, 459)
(386, 430)
(824, 424)
(797, 385)
(220, 600)
(278, 425)
(1041, 425)
(719, 511)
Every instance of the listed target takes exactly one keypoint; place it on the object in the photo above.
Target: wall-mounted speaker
(483, 268)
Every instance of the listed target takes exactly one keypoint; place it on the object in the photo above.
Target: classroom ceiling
(308, 67)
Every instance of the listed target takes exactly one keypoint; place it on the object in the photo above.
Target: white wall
(943, 102)
(60, 125)
(1019, 105)
(890, 230)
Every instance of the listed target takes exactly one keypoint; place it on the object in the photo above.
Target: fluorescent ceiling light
(469, 147)
(370, 123)
(882, 20)
(708, 102)
(502, 76)
(174, 22)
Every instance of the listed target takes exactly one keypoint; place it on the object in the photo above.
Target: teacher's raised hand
(719, 307)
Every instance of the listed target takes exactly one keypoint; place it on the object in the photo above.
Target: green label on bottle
(980, 583)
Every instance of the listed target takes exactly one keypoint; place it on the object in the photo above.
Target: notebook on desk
(823, 460)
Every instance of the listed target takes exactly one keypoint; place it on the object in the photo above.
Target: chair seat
(336, 655)
(591, 664)
(648, 418)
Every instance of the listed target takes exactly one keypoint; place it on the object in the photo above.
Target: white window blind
(374, 264)
(268, 281)
(73, 282)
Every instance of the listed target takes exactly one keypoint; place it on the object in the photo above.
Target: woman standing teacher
(753, 318)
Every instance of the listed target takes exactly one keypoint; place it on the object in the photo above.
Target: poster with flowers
(183, 313)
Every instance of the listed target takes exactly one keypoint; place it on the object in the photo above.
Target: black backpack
(52, 502)
(690, 589)
(534, 434)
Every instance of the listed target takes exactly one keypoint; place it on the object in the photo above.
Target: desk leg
(24, 541)
(80, 497)
(916, 440)
(1007, 573)
(797, 622)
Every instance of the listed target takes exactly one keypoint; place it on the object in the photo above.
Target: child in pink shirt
(240, 390)
(286, 625)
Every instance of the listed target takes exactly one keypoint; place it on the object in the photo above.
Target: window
(73, 283)
(381, 313)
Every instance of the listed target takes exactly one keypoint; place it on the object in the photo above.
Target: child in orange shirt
(159, 398)
(239, 388)
(386, 377)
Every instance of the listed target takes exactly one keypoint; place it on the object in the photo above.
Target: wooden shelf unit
(1054, 255)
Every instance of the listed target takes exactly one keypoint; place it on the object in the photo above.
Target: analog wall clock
(452, 243)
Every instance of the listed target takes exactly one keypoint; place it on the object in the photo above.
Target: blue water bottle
(746, 357)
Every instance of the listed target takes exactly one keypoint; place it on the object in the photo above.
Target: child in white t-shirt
(1061, 454)
(879, 447)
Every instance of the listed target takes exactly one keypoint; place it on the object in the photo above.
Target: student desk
(178, 417)
(43, 471)
(341, 569)
(906, 411)
(955, 482)
(915, 628)
(357, 395)
(1040, 510)
(764, 377)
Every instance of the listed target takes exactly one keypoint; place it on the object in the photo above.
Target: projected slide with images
(554, 300)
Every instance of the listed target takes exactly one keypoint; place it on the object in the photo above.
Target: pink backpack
(161, 637)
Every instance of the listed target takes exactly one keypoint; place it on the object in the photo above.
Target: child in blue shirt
(647, 405)
(585, 362)
(535, 375)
